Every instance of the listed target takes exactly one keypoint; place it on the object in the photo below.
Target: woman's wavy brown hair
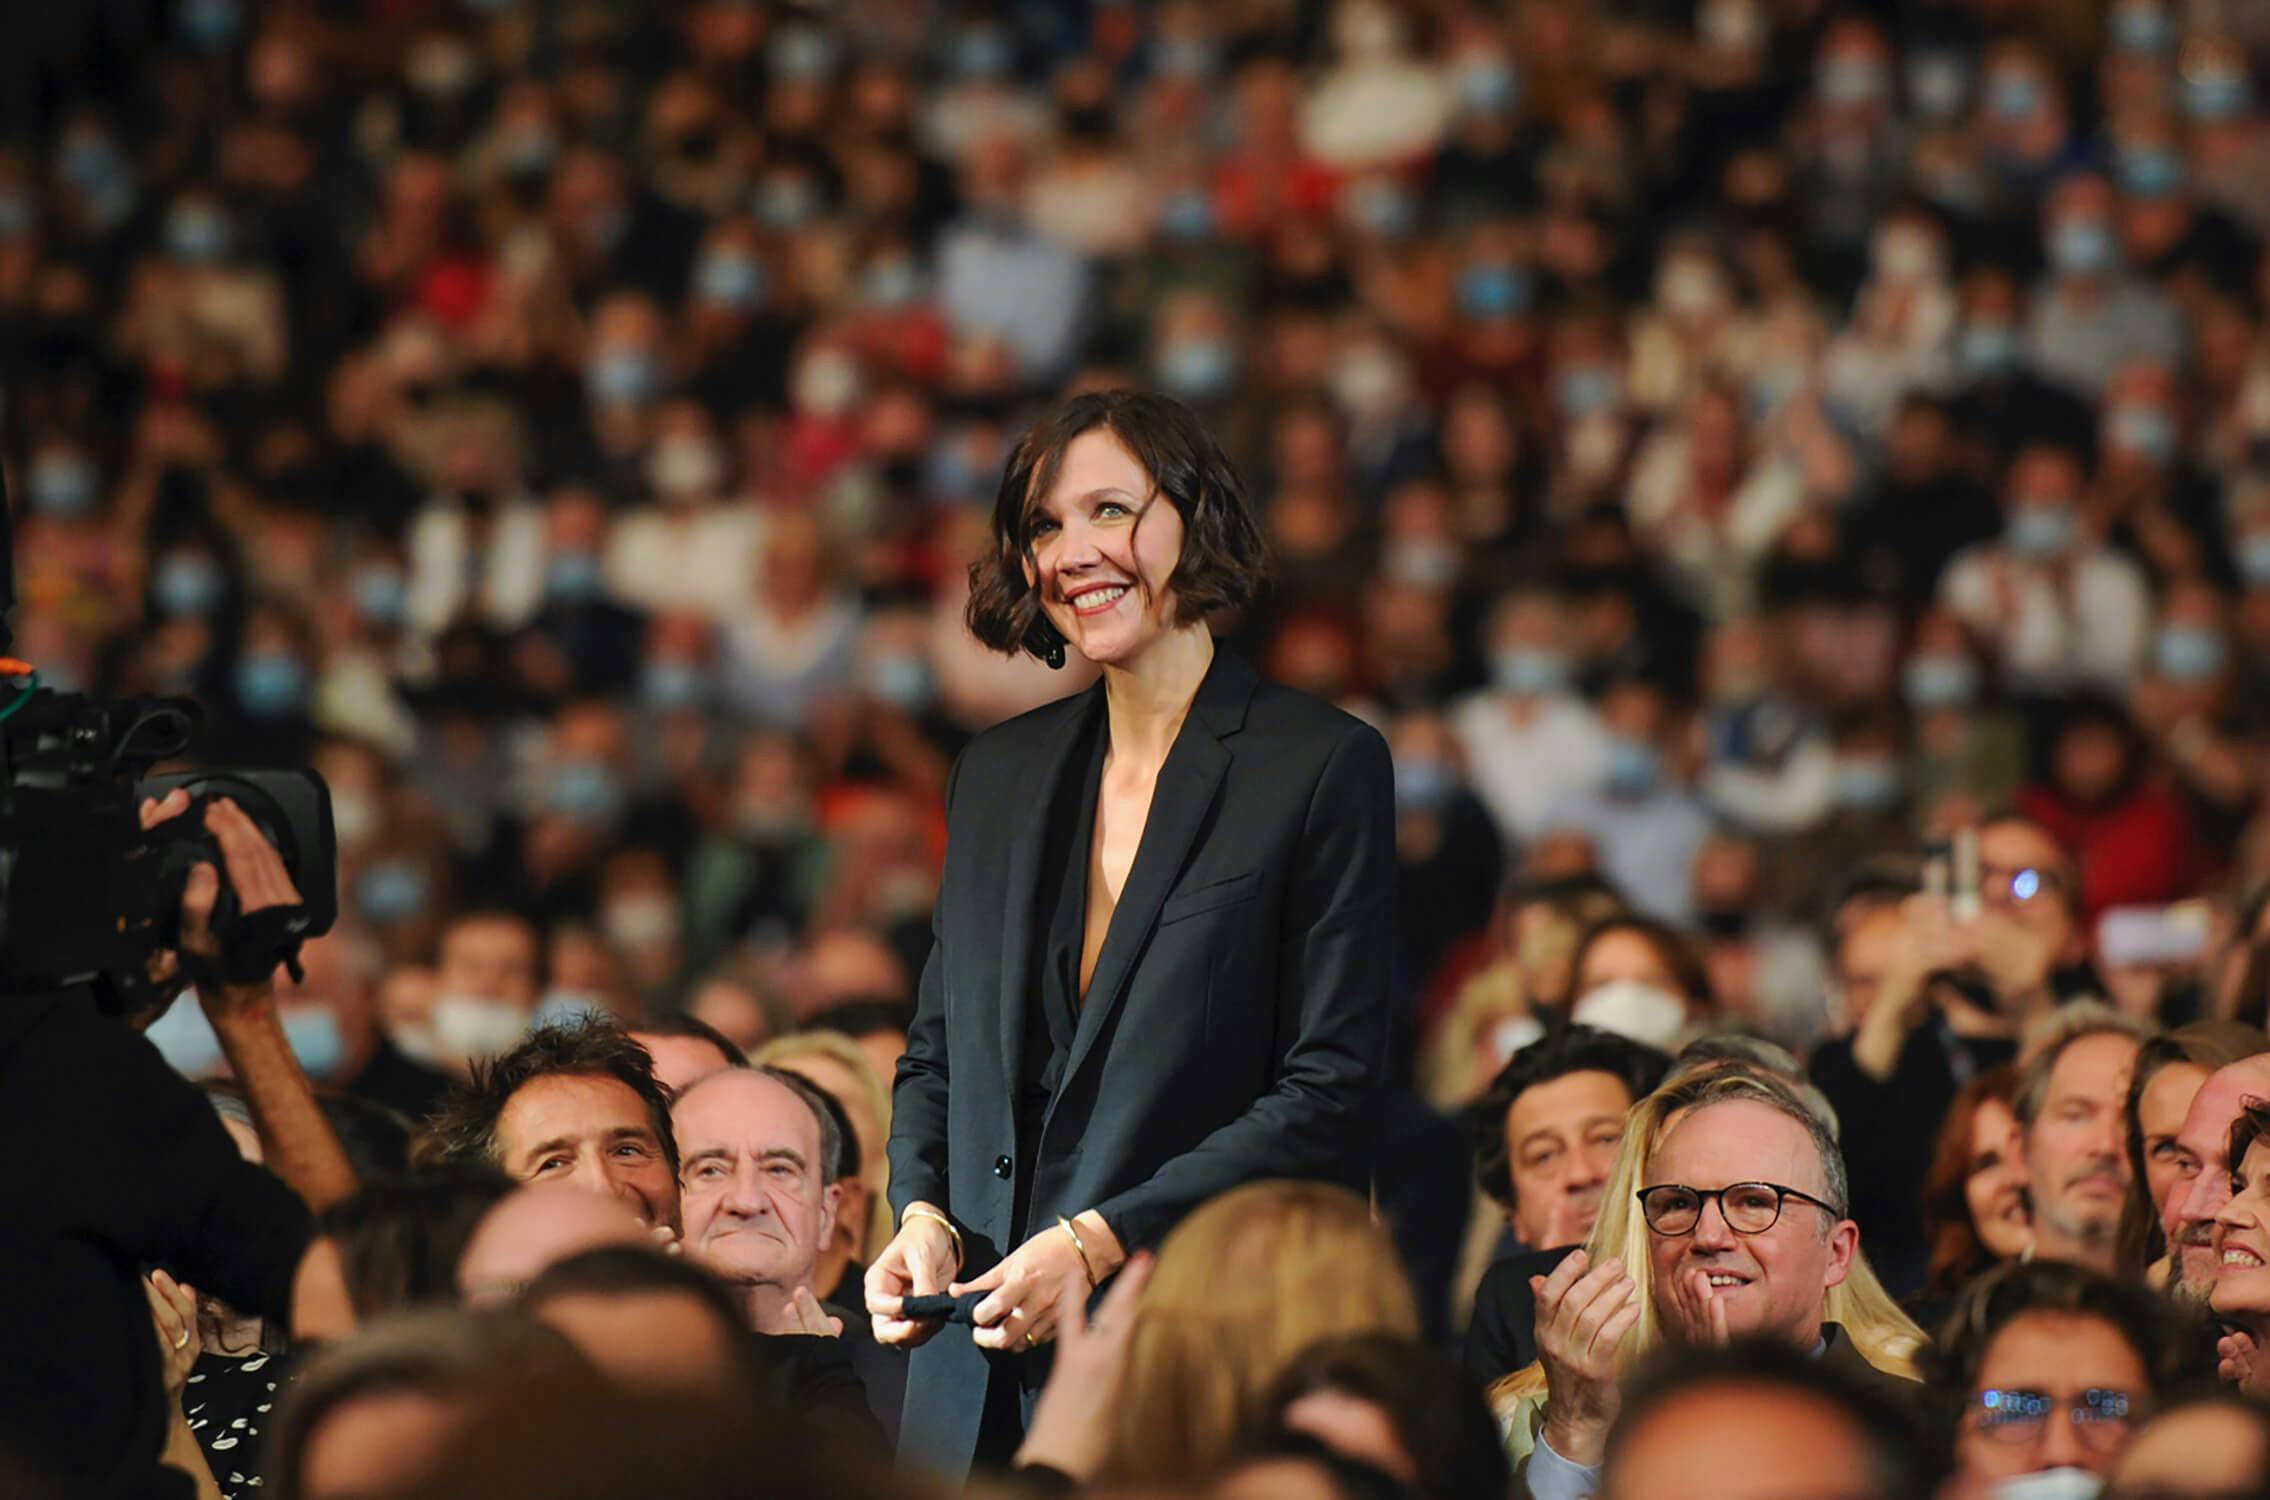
(1225, 558)
(1243, 1285)
(1957, 1253)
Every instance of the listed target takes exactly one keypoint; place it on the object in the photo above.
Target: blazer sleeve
(1331, 1004)
(918, 1098)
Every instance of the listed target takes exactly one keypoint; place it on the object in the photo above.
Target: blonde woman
(839, 1067)
(1243, 1285)
(1725, 1217)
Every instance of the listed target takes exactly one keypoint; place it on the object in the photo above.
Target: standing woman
(1160, 955)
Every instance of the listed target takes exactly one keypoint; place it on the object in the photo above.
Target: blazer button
(1002, 1167)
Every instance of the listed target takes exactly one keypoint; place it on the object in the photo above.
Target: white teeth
(2241, 1258)
(1099, 598)
(1725, 1281)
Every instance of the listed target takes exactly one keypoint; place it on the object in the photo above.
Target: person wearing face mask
(2090, 316)
(2003, 404)
(485, 989)
(2058, 607)
(1531, 743)
(1642, 817)
(2192, 702)
(1182, 829)
(2055, 1365)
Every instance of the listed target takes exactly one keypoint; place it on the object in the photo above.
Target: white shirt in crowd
(2088, 631)
(1526, 761)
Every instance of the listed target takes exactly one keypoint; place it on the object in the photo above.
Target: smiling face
(1996, 1186)
(2188, 1213)
(1773, 1284)
(1102, 578)
(2059, 1355)
(2242, 1237)
(590, 1131)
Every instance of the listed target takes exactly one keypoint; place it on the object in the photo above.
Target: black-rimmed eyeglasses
(1674, 1209)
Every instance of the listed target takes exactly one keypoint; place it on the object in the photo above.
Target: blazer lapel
(1052, 762)
(1187, 788)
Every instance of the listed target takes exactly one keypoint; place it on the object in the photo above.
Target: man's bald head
(2188, 1217)
(535, 1227)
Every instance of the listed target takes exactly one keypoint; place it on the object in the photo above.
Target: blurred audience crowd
(1791, 480)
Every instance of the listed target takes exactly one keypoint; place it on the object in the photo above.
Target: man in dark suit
(1546, 1135)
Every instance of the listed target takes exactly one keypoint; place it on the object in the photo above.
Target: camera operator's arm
(297, 1139)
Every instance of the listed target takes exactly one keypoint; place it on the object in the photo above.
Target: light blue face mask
(1197, 369)
(2215, 97)
(573, 578)
(1633, 767)
(2146, 431)
(1494, 291)
(314, 1035)
(2189, 653)
(2254, 560)
(1583, 391)
(2149, 171)
(1423, 783)
(2142, 28)
(584, 790)
(904, 681)
(671, 684)
(730, 278)
(381, 596)
(188, 583)
(63, 485)
(1866, 784)
(1988, 349)
(2083, 247)
(1186, 216)
(2039, 532)
(184, 1038)
(1940, 681)
(1527, 672)
(624, 377)
(271, 684)
(391, 891)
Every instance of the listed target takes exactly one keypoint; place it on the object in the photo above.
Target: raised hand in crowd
(1584, 1313)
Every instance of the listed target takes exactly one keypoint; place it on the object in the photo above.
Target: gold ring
(1029, 1339)
(183, 1341)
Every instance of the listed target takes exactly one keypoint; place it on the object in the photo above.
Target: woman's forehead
(1095, 462)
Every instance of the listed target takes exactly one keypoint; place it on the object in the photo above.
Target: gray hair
(1731, 1083)
(2047, 1038)
(1718, 1050)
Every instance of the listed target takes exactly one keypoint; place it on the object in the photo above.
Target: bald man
(2205, 1141)
(535, 1227)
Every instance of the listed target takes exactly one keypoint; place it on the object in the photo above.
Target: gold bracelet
(1086, 1264)
(919, 1212)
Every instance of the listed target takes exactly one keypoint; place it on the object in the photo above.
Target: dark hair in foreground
(2160, 1332)
(464, 1127)
(1899, 1461)
(1572, 1049)
(1348, 1478)
(634, 1270)
(1438, 1415)
(399, 1240)
(697, 1029)
(1225, 558)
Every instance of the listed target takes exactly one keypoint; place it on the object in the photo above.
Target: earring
(1054, 655)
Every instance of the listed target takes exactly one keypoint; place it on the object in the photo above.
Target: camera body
(86, 895)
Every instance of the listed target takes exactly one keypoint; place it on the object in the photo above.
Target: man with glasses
(2055, 1364)
(1742, 1200)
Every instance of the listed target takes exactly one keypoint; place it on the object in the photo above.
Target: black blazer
(1235, 1025)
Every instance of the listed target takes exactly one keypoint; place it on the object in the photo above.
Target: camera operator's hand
(255, 871)
(298, 1140)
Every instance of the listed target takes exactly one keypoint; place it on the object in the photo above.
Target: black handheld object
(85, 894)
(940, 1307)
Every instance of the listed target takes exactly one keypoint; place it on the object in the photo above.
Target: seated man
(655, 1323)
(1546, 1135)
(2204, 1144)
(1759, 1419)
(2054, 1364)
(2072, 1109)
(575, 1103)
(1743, 1229)
(761, 1147)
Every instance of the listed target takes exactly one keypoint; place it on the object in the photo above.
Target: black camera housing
(86, 895)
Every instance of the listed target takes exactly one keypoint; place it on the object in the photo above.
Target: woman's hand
(173, 1309)
(918, 1262)
(1027, 1287)
(1071, 1425)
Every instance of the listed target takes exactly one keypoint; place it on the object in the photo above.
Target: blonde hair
(1245, 1283)
(1885, 1336)
(783, 1051)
